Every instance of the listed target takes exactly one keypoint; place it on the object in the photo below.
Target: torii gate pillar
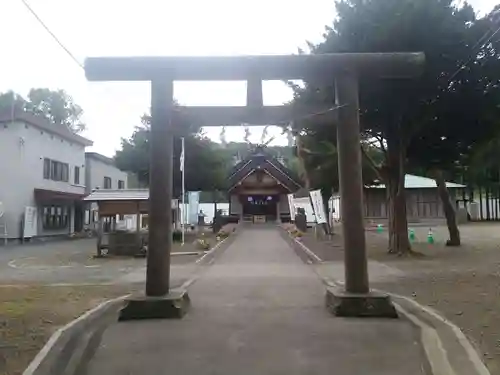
(161, 302)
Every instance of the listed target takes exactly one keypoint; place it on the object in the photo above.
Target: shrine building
(258, 188)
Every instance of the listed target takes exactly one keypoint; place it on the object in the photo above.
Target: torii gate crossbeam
(356, 299)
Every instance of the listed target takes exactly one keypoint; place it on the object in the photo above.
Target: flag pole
(183, 220)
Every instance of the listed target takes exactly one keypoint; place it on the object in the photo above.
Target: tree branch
(381, 143)
(372, 163)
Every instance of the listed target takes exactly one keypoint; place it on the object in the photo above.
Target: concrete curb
(209, 258)
(434, 351)
(210, 254)
(465, 360)
(66, 350)
(298, 246)
(446, 348)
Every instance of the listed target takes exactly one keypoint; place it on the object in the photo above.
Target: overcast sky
(31, 58)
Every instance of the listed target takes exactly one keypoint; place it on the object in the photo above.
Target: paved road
(71, 262)
(259, 310)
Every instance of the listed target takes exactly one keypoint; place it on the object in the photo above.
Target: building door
(260, 205)
(79, 216)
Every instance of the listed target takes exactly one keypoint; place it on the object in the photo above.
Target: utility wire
(481, 42)
(40, 21)
(56, 39)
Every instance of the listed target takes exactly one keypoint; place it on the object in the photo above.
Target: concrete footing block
(174, 305)
(369, 305)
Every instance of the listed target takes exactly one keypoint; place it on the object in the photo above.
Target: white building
(43, 173)
(101, 173)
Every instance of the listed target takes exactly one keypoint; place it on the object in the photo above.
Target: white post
(278, 210)
(4, 234)
(183, 219)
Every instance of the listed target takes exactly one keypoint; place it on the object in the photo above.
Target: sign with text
(318, 206)
(291, 207)
(193, 207)
(30, 222)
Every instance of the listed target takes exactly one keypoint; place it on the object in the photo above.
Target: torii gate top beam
(242, 68)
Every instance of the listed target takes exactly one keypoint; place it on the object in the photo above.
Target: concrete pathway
(259, 310)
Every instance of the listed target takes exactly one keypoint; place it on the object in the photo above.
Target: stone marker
(301, 220)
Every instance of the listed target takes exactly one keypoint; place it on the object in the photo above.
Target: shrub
(202, 244)
(177, 236)
(223, 234)
(295, 232)
(289, 227)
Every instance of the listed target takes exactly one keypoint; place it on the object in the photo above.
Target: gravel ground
(73, 262)
(461, 283)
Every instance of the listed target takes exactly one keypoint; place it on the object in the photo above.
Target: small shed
(113, 205)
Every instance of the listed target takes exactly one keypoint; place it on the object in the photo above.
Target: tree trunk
(215, 198)
(399, 242)
(481, 202)
(449, 210)
(327, 228)
(487, 193)
(216, 220)
(496, 204)
(398, 222)
(302, 166)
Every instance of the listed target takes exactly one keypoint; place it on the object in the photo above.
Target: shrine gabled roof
(261, 160)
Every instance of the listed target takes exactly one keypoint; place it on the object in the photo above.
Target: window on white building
(46, 169)
(55, 217)
(107, 182)
(55, 170)
(77, 175)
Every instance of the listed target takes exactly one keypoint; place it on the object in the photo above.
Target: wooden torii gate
(160, 301)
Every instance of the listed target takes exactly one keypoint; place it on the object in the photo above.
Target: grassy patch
(30, 314)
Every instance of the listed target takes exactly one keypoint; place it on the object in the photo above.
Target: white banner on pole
(193, 207)
(291, 207)
(30, 227)
(318, 207)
